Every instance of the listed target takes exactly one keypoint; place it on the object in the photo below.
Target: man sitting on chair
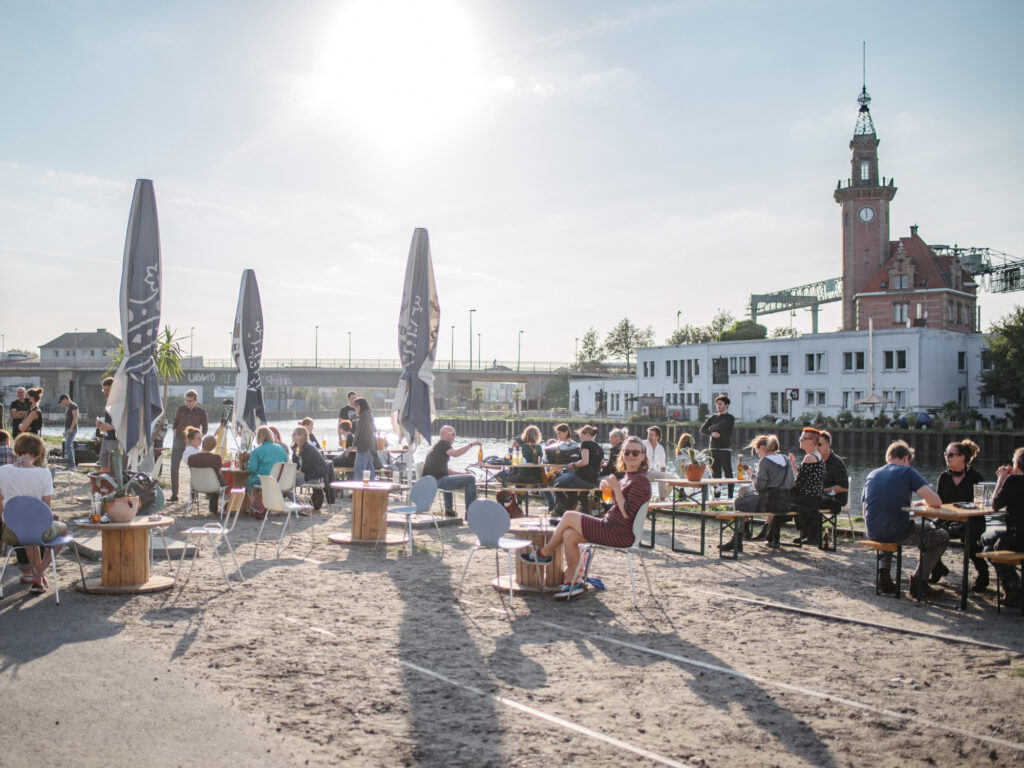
(436, 465)
(207, 458)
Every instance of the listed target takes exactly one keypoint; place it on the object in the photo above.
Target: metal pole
(479, 360)
(519, 354)
(451, 364)
(576, 359)
(316, 346)
(471, 338)
(678, 313)
(191, 343)
(349, 349)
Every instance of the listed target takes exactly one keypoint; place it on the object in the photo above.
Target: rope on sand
(513, 704)
(861, 622)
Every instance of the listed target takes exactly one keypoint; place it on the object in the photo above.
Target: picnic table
(701, 508)
(953, 513)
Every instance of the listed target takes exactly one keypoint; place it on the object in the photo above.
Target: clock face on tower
(866, 214)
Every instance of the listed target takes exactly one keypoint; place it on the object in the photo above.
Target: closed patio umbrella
(247, 351)
(134, 401)
(418, 323)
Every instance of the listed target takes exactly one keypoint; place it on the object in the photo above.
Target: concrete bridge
(215, 381)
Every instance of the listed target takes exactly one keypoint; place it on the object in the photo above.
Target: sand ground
(331, 655)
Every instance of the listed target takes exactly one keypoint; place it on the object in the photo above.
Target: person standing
(348, 411)
(436, 465)
(105, 426)
(366, 440)
(33, 421)
(70, 428)
(19, 410)
(189, 414)
(719, 429)
(886, 495)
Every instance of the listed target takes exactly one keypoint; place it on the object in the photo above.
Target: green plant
(912, 420)
(844, 416)
(881, 421)
(690, 456)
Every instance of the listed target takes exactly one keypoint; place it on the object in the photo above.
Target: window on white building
(853, 361)
(778, 364)
(815, 362)
(961, 361)
(894, 359)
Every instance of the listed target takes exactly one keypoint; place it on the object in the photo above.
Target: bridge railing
(386, 364)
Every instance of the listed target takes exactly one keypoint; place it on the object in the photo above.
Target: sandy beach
(334, 655)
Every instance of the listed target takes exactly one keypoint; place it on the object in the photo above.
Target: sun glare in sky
(401, 73)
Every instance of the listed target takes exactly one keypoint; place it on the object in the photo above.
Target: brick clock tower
(865, 203)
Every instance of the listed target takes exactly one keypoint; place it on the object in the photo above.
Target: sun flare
(401, 72)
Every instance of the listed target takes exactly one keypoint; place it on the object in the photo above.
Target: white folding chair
(204, 480)
(29, 518)
(216, 533)
(587, 557)
(422, 498)
(490, 522)
(275, 501)
(285, 473)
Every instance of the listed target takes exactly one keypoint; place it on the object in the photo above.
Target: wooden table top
(682, 481)
(948, 512)
(358, 485)
(143, 521)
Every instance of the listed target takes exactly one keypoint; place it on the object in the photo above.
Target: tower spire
(865, 126)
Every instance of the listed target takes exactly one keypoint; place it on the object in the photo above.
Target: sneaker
(980, 585)
(533, 557)
(568, 590)
(173, 498)
(937, 573)
(922, 591)
(449, 513)
(885, 583)
(773, 544)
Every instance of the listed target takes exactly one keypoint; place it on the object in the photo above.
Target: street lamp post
(678, 313)
(519, 354)
(191, 343)
(451, 363)
(349, 348)
(478, 358)
(316, 346)
(576, 359)
(471, 339)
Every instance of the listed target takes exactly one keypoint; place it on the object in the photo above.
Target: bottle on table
(739, 469)
(480, 454)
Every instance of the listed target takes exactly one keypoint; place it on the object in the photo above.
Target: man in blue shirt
(887, 491)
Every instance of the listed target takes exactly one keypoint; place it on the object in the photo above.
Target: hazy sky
(574, 162)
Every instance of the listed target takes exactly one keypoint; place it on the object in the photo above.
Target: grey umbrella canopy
(418, 323)
(134, 401)
(247, 351)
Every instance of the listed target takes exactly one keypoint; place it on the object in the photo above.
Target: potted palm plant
(121, 504)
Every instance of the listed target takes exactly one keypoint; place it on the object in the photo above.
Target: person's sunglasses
(632, 453)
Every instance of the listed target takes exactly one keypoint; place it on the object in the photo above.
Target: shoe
(449, 513)
(938, 572)
(534, 557)
(173, 498)
(567, 590)
(885, 583)
(980, 585)
(811, 543)
(760, 535)
(1011, 596)
(921, 591)
(773, 544)
(38, 589)
(799, 541)
(727, 546)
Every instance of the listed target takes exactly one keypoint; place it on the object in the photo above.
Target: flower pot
(122, 509)
(694, 472)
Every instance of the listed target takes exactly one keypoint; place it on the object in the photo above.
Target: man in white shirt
(657, 461)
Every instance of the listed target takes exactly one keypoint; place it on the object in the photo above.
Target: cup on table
(366, 481)
(606, 494)
(979, 493)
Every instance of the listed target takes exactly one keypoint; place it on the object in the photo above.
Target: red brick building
(896, 283)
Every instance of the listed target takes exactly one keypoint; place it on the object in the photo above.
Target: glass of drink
(979, 493)
(606, 494)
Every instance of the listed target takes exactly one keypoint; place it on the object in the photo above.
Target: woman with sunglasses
(615, 529)
(956, 484)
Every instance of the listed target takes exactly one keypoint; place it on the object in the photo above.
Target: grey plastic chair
(587, 556)
(29, 518)
(421, 497)
(490, 522)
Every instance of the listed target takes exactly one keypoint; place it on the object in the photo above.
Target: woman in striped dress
(615, 529)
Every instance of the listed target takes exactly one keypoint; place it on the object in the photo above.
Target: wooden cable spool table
(526, 573)
(369, 514)
(125, 557)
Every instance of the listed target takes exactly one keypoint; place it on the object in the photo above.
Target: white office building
(915, 368)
